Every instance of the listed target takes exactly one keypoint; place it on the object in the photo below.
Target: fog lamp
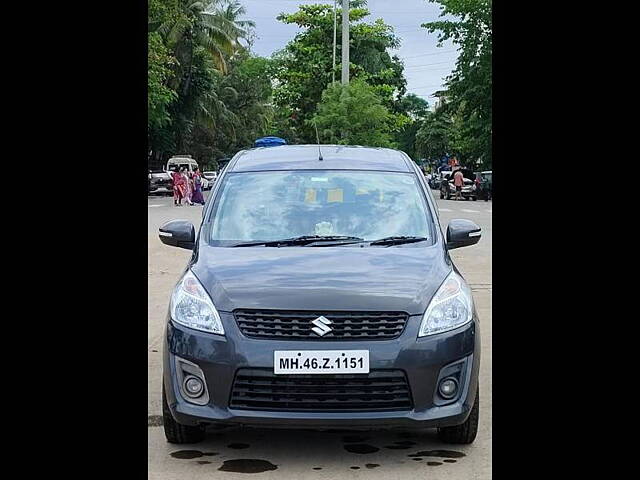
(448, 387)
(193, 386)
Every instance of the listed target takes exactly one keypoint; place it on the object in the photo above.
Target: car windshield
(256, 206)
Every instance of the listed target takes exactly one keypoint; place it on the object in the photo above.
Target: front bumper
(160, 189)
(421, 359)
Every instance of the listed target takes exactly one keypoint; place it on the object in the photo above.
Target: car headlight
(451, 307)
(192, 307)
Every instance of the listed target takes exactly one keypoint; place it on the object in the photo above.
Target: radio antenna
(318, 140)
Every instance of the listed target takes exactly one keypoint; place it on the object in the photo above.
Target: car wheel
(465, 433)
(441, 195)
(474, 198)
(175, 432)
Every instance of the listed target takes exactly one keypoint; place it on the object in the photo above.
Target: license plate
(320, 361)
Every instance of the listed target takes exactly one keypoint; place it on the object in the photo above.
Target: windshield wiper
(302, 240)
(397, 240)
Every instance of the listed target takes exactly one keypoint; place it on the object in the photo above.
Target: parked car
(484, 185)
(181, 161)
(211, 178)
(160, 182)
(321, 294)
(448, 190)
(434, 181)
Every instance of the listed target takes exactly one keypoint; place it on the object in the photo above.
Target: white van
(181, 161)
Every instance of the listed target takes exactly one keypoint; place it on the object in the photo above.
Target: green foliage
(205, 93)
(354, 115)
(303, 69)
(468, 98)
(159, 95)
(433, 137)
(415, 109)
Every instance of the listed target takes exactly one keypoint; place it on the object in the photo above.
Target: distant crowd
(187, 186)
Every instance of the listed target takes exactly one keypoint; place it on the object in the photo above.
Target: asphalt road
(280, 454)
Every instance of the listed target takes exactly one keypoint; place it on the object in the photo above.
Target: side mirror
(178, 233)
(462, 233)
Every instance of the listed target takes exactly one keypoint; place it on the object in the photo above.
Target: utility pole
(335, 25)
(345, 42)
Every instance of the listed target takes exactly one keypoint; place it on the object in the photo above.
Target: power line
(429, 65)
(427, 54)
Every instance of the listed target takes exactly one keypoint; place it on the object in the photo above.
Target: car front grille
(379, 390)
(297, 325)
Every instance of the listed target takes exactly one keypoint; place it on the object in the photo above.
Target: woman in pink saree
(178, 187)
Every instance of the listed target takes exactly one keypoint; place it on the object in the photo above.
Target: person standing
(197, 196)
(188, 186)
(178, 187)
(458, 182)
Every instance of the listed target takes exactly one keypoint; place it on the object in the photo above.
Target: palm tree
(225, 16)
(213, 25)
(199, 26)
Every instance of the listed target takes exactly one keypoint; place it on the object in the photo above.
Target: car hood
(398, 278)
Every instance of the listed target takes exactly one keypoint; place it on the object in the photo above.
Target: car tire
(441, 195)
(474, 198)
(175, 432)
(466, 433)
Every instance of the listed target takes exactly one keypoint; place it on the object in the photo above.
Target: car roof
(305, 157)
(184, 160)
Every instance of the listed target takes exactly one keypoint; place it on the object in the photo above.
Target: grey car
(321, 294)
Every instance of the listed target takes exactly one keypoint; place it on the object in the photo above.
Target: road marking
(445, 210)
(151, 206)
(469, 211)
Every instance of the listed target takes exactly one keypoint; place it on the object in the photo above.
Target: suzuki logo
(321, 326)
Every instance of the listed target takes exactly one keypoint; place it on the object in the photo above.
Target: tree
(468, 93)
(433, 139)
(250, 78)
(415, 109)
(159, 94)
(353, 114)
(190, 47)
(161, 65)
(303, 69)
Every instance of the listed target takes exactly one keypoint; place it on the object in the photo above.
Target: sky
(426, 65)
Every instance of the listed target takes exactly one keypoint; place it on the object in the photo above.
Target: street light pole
(345, 42)
(335, 27)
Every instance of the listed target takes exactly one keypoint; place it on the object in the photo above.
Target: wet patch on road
(238, 446)
(438, 453)
(360, 448)
(397, 447)
(203, 462)
(372, 465)
(355, 468)
(317, 468)
(154, 421)
(434, 464)
(448, 460)
(247, 465)
(186, 454)
(407, 443)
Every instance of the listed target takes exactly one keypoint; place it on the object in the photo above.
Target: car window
(255, 206)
